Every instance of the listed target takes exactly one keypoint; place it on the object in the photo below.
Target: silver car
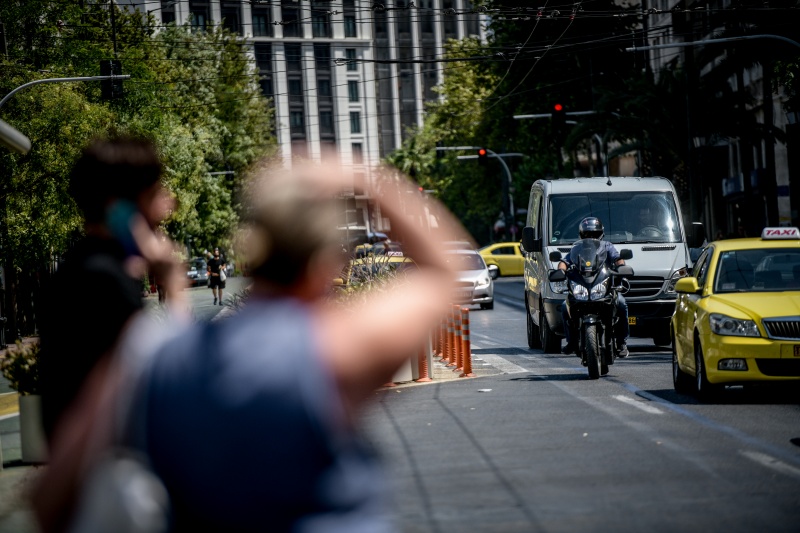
(474, 284)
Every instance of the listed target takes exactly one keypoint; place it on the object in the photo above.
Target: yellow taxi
(506, 256)
(737, 317)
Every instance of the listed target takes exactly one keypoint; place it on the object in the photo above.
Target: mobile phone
(119, 217)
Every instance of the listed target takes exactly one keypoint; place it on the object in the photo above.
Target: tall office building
(334, 69)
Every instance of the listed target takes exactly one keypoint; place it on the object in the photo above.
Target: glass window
(355, 122)
(326, 122)
(350, 55)
(503, 250)
(263, 53)
(464, 262)
(627, 217)
(324, 87)
(293, 57)
(296, 123)
(230, 18)
(358, 153)
(352, 90)
(350, 26)
(768, 269)
(322, 56)
(261, 25)
(290, 15)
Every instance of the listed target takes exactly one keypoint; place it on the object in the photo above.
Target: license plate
(797, 350)
(464, 295)
(631, 320)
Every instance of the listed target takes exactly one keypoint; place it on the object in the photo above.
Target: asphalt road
(537, 446)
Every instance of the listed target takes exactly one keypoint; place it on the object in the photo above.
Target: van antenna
(609, 181)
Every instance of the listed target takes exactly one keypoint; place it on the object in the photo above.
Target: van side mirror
(555, 256)
(557, 275)
(625, 254)
(529, 243)
(697, 235)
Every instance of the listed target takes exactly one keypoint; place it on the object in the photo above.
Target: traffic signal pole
(7, 97)
(508, 186)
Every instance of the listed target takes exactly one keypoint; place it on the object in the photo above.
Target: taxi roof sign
(780, 233)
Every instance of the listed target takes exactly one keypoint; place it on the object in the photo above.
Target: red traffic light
(482, 152)
(558, 107)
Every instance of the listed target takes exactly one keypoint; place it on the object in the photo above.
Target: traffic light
(558, 117)
(483, 154)
(111, 89)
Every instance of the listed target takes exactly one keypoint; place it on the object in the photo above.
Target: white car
(473, 284)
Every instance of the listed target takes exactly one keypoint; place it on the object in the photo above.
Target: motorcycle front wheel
(592, 347)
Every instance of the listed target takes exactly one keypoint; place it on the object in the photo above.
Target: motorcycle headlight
(558, 287)
(599, 290)
(579, 291)
(678, 274)
(725, 325)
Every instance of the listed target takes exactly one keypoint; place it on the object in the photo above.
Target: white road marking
(639, 405)
(770, 462)
(12, 415)
(502, 364)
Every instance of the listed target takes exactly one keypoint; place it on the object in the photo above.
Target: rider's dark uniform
(622, 329)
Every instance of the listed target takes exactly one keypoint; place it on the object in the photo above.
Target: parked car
(197, 272)
(736, 320)
(507, 256)
(474, 283)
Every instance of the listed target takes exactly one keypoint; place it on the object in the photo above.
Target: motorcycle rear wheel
(592, 347)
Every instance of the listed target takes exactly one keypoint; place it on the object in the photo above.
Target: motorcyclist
(592, 228)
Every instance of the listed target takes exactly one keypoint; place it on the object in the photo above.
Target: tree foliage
(195, 94)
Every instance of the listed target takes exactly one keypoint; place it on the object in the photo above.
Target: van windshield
(628, 217)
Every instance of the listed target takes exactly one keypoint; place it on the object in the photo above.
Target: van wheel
(663, 339)
(534, 341)
(551, 343)
(680, 379)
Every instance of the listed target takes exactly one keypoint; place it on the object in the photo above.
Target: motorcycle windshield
(589, 255)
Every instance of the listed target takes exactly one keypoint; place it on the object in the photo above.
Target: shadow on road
(552, 377)
(755, 394)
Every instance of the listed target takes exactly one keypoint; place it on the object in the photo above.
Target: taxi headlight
(580, 292)
(678, 274)
(725, 325)
(599, 290)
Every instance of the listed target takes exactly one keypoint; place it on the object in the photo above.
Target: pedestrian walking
(216, 275)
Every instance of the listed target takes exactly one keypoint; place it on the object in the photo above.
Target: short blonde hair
(291, 217)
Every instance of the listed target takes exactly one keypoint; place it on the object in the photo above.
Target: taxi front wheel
(680, 379)
(704, 389)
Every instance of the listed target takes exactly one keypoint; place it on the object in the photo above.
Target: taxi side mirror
(688, 285)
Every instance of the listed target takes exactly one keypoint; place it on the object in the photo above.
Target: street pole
(7, 97)
(508, 185)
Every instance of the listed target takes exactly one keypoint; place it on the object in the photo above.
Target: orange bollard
(448, 348)
(451, 356)
(456, 337)
(423, 365)
(466, 350)
(442, 338)
(459, 351)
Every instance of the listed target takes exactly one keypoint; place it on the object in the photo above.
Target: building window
(350, 56)
(358, 154)
(326, 122)
(320, 19)
(261, 25)
(295, 90)
(296, 122)
(294, 57)
(355, 122)
(352, 90)
(290, 18)
(263, 52)
(350, 26)
(167, 12)
(230, 18)
(324, 88)
(322, 56)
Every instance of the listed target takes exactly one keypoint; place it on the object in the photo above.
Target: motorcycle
(592, 288)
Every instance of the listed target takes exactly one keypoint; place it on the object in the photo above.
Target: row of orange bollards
(452, 343)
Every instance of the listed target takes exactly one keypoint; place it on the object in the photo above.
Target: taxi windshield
(767, 269)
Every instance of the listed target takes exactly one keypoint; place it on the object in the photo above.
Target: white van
(639, 214)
